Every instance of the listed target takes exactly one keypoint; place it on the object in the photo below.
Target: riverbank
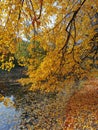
(66, 110)
(38, 111)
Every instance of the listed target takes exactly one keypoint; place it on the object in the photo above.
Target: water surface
(9, 116)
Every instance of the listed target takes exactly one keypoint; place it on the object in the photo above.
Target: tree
(65, 30)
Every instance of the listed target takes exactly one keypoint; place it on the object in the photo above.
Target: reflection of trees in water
(9, 87)
(39, 110)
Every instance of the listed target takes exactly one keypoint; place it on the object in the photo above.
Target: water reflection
(31, 110)
(23, 110)
(9, 116)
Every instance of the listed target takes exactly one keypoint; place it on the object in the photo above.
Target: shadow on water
(23, 110)
(9, 89)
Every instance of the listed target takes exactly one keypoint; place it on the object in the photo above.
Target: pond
(24, 110)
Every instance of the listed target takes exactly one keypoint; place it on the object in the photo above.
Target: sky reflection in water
(9, 117)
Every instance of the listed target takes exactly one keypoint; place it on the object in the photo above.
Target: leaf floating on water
(8, 102)
(1, 97)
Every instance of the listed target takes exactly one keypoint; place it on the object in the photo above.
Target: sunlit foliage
(7, 49)
(66, 30)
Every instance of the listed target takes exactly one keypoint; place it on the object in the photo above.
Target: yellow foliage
(64, 30)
